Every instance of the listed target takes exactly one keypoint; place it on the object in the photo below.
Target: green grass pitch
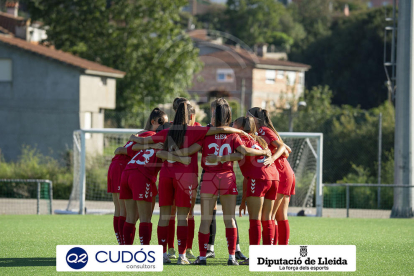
(28, 243)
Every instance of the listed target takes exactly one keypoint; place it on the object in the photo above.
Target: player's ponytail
(222, 115)
(157, 115)
(268, 123)
(175, 138)
(262, 115)
(248, 126)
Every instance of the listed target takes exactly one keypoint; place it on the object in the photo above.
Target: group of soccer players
(171, 149)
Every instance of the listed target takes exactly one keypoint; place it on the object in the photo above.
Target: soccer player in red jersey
(219, 179)
(287, 177)
(191, 225)
(259, 187)
(178, 181)
(138, 187)
(117, 166)
(210, 246)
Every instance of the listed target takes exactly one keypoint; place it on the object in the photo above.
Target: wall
(277, 94)
(96, 94)
(206, 80)
(40, 106)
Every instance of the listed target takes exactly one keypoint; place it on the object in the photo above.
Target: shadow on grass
(13, 262)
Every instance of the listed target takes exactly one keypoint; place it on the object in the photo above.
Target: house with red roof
(46, 94)
(253, 77)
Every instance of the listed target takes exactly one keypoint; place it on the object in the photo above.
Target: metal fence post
(82, 176)
(347, 201)
(319, 189)
(51, 197)
(38, 198)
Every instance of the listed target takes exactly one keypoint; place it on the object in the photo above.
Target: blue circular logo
(77, 258)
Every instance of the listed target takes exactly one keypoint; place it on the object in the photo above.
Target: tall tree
(142, 38)
(254, 21)
(349, 60)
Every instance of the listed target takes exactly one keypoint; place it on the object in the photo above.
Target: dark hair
(248, 126)
(222, 115)
(177, 101)
(156, 114)
(217, 102)
(175, 138)
(264, 119)
(163, 126)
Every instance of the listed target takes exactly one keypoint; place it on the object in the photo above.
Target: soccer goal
(93, 150)
(25, 196)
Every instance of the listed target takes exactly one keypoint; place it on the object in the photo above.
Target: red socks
(276, 232)
(202, 243)
(182, 232)
(268, 232)
(255, 232)
(191, 228)
(129, 233)
(116, 224)
(171, 232)
(121, 222)
(231, 237)
(162, 233)
(145, 229)
(284, 232)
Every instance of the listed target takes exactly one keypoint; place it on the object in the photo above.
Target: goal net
(93, 150)
(25, 196)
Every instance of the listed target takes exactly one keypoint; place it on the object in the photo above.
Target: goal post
(93, 150)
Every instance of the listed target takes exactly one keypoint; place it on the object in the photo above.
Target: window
(291, 78)
(5, 70)
(225, 75)
(103, 81)
(270, 76)
(280, 74)
(263, 104)
(302, 78)
(88, 124)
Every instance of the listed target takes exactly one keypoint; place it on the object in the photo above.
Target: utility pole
(404, 113)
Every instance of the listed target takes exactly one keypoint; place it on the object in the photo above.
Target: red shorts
(286, 184)
(219, 183)
(262, 188)
(181, 187)
(134, 185)
(114, 176)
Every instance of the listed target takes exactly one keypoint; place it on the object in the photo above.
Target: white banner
(133, 258)
(302, 258)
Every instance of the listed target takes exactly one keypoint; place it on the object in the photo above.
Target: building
(23, 28)
(46, 94)
(252, 77)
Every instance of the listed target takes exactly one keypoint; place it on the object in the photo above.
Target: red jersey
(123, 157)
(193, 135)
(145, 161)
(269, 136)
(219, 144)
(253, 166)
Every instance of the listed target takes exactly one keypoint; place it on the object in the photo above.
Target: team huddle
(171, 149)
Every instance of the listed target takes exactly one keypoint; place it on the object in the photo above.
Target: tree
(253, 21)
(142, 38)
(350, 58)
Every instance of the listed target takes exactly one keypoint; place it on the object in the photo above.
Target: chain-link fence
(360, 200)
(25, 196)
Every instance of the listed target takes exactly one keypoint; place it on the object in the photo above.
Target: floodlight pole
(404, 113)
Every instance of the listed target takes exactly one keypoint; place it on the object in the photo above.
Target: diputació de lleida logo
(77, 258)
(303, 251)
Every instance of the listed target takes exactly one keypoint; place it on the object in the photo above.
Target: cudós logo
(77, 258)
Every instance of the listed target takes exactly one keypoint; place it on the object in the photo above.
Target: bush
(33, 165)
